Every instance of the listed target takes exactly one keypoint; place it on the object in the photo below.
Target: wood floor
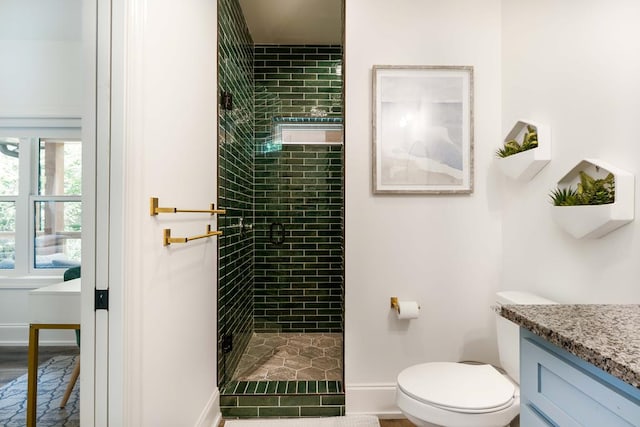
(383, 423)
(13, 360)
(396, 423)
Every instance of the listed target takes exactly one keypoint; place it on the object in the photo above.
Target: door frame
(99, 375)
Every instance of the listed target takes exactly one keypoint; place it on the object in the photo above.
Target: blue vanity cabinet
(560, 389)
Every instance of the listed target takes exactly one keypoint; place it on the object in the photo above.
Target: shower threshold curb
(252, 399)
(282, 387)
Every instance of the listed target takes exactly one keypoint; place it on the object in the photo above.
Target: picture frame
(422, 129)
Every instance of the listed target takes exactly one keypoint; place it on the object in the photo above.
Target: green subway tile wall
(295, 81)
(318, 399)
(298, 283)
(235, 186)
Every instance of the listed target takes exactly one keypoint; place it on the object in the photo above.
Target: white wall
(575, 66)
(169, 152)
(40, 76)
(40, 53)
(443, 251)
(15, 316)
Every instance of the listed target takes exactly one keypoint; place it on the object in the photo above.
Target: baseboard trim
(14, 334)
(211, 415)
(17, 334)
(372, 399)
(217, 420)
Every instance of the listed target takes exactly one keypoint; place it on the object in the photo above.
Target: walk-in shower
(280, 179)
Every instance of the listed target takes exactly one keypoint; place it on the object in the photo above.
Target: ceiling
(294, 21)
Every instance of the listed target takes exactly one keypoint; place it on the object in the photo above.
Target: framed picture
(422, 129)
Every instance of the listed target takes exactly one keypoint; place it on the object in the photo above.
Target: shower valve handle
(276, 233)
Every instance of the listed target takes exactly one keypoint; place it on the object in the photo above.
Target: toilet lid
(458, 387)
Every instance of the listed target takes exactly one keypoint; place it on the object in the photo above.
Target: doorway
(280, 179)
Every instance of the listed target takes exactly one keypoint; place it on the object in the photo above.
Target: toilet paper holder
(395, 305)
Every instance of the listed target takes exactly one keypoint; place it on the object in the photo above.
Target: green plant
(589, 191)
(564, 196)
(529, 141)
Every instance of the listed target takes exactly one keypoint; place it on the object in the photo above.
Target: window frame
(34, 130)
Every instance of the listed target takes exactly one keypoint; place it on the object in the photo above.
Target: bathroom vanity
(579, 364)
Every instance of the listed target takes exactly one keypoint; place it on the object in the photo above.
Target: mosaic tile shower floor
(291, 356)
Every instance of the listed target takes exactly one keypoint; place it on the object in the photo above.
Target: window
(40, 203)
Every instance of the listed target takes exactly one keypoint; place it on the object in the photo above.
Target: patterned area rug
(348, 421)
(53, 377)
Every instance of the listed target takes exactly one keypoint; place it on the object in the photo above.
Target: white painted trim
(28, 282)
(101, 217)
(55, 120)
(90, 51)
(14, 334)
(29, 122)
(43, 343)
(372, 399)
(128, 131)
(117, 356)
(218, 420)
(211, 414)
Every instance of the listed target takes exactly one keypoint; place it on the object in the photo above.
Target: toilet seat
(458, 387)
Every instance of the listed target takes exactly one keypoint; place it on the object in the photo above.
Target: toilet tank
(509, 333)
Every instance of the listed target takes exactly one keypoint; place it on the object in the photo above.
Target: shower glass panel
(280, 179)
(235, 187)
(298, 282)
(298, 290)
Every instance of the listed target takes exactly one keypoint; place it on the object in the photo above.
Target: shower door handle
(276, 233)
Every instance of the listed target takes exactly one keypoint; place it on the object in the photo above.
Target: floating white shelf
(525, 165)
(595, 221)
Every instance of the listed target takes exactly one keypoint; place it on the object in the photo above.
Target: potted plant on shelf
(511, 147)
(525, 151)
(589, 191)
(593, 199)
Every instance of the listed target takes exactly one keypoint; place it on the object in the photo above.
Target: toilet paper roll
(408, 310)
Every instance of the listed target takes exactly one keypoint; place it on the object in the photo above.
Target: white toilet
(468, 395)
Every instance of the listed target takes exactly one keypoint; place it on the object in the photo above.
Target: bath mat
(53, 377)
(348, 421)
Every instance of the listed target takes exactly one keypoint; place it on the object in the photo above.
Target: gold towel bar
(155, 210)
(167, 239)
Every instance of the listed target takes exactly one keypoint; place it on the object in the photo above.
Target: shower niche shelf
(595, 221)
(525, 165)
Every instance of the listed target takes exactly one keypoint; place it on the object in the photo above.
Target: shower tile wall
(235, 194)
(291, 81)
(299, 283)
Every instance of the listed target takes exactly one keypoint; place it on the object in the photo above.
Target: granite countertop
(607, 335)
